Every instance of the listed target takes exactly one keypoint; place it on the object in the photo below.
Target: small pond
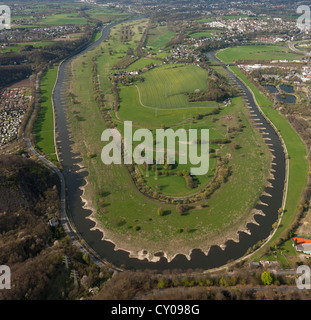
(283, 97)
(287, 88)
(286, 98)
(272, 89)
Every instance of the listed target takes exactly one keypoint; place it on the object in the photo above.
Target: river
(105, 249)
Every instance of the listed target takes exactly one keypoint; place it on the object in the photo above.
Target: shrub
(266, 278)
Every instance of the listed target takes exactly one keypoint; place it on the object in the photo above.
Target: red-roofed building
(302, 244)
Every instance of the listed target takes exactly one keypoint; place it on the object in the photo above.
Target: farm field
(44, 125)
(128, 217)
(257, 52)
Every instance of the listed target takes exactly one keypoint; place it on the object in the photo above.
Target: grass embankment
(298, 163)
(44, 126)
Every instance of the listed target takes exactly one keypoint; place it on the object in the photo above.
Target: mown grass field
(119, 206)
(257, 52)
(44, 125)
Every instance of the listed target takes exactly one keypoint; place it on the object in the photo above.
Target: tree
(266, 278)
(160, 212)
(179, 209)
(161, 284)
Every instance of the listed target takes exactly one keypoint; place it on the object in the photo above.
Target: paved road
(291, 45)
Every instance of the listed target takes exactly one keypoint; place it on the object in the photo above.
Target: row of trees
(177, 285)
(99, 95)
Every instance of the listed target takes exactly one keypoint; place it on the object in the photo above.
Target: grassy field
(118, 204)
(106, 14)
(205, 20)
(257, 52)
(203, 34)
(44, 126)
(139, 114)
(63, 19)
(162, 96)
(142, 63)
(165, 87)
(19, 46)
(159, 37)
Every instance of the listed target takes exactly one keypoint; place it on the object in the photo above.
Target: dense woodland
(218, 88)
(34, 251)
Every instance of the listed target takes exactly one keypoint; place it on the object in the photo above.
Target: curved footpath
(75, 181)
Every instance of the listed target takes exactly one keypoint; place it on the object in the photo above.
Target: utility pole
(66, 261)
(74, 276)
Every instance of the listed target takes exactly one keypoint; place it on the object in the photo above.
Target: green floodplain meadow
(128, 217)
